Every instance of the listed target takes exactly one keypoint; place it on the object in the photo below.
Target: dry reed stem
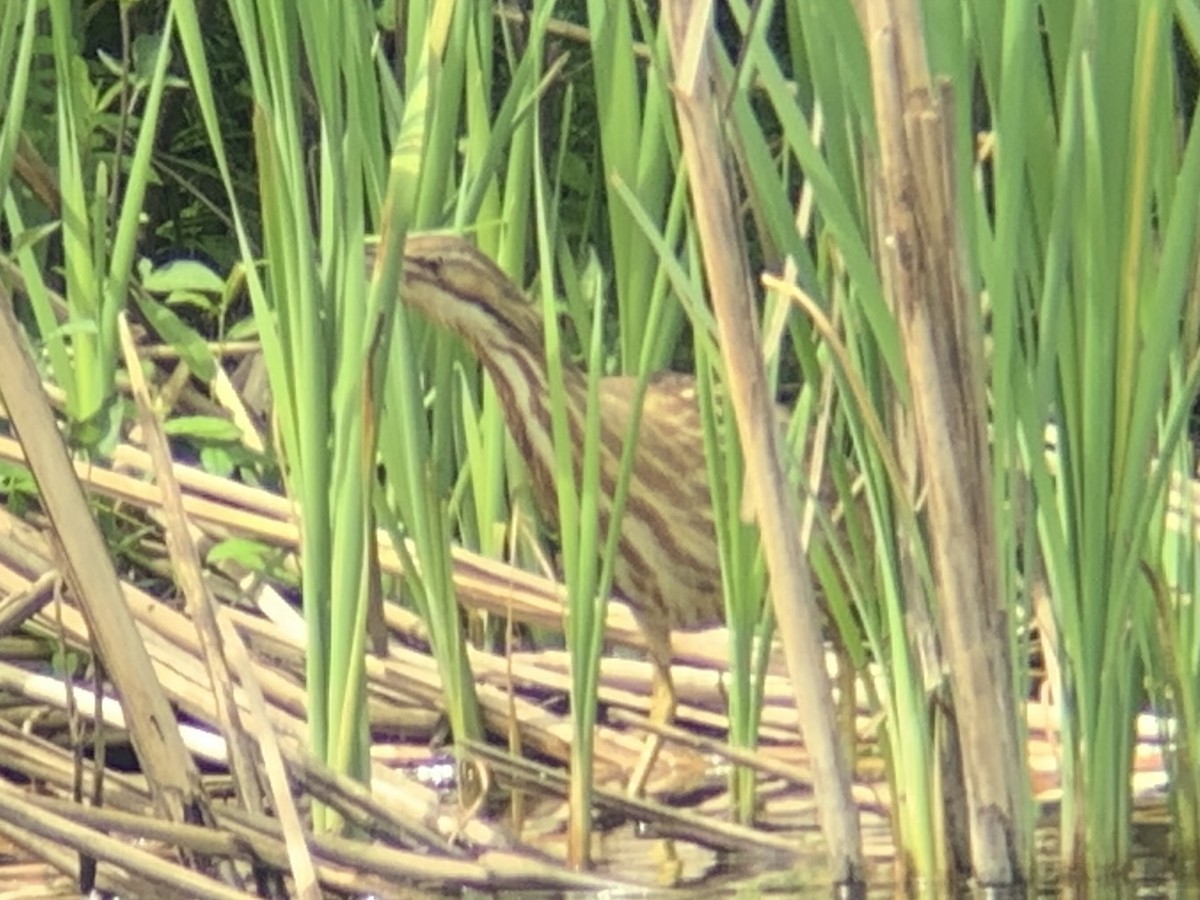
(171, 641)
(402, 810)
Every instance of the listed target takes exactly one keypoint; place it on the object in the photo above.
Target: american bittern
(667, 561)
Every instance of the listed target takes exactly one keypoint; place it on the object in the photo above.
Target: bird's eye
(433, 267)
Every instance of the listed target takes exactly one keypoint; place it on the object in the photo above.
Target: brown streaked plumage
(667, 559)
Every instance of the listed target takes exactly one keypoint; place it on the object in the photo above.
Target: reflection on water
(744, 875)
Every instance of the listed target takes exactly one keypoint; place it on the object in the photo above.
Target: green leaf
(202, 428)
(181, 275)
(251, 554)
(190, 345)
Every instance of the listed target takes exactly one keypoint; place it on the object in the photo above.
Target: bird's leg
(662, 712)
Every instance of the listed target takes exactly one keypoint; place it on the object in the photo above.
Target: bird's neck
(519, 374)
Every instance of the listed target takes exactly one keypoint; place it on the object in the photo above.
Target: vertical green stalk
(1121, 243)
(409, 434)
(743, 578)
(635, 143)
(97, 265)
(836, 268)
(16, 54)
(577, 475)
(316, 320)
(588, 555)
(1176, 672)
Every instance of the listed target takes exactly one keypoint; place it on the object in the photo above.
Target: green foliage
(253, 555)
(18, 489)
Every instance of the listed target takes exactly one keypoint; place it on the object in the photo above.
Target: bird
(666, 567)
